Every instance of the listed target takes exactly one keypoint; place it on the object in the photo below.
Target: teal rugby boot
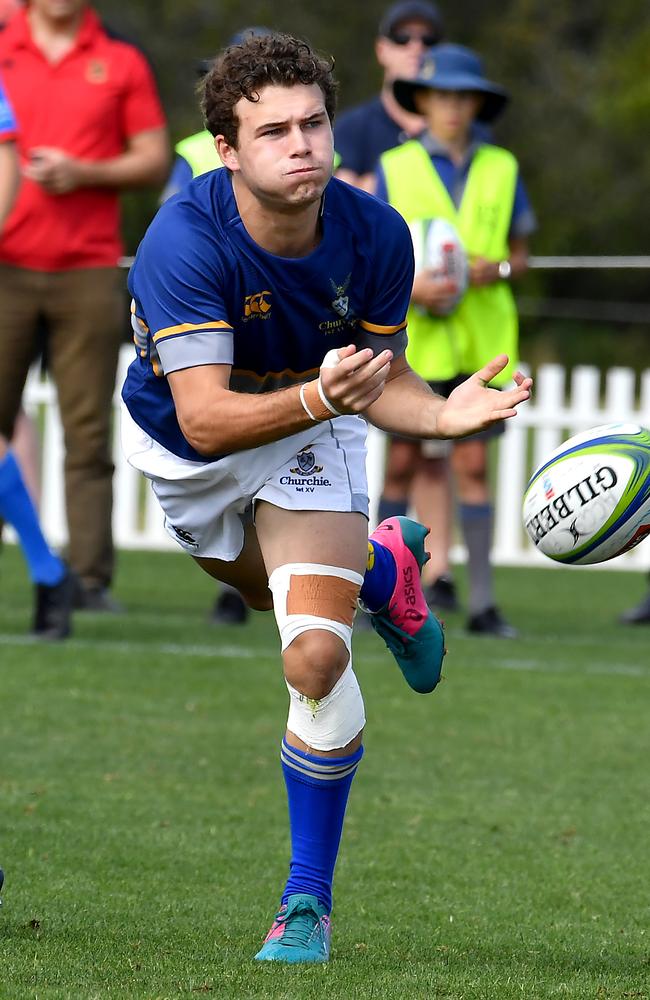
(406, 624)
(300, 933)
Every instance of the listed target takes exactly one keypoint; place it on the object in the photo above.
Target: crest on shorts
(306, 464)
(341, 302)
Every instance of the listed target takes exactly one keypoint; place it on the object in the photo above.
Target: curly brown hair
(244, 70)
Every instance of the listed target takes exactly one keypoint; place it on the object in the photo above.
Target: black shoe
(441, 594)
(91, 597)
(491, 622)
(53, 608)
(2, 882)
(639, 615)
(229, 609)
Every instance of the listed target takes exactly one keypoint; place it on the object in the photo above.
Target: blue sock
(381, 576)
(317, 789)
(17, 509)
(391, 508)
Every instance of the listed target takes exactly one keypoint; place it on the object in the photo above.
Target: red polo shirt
(87, 104)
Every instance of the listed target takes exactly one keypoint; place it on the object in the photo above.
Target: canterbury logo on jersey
(257, 305)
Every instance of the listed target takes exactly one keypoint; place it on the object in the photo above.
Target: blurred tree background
(577, 72)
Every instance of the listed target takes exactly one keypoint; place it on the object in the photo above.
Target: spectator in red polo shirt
(91, 125)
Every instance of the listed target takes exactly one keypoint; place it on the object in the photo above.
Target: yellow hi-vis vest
(199, 152)
(485, 322)
(201, 155)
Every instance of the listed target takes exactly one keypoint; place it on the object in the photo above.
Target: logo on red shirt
(97, 71)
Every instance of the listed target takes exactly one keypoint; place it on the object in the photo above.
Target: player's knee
(331, 721)
(314, 662)
(314, 607)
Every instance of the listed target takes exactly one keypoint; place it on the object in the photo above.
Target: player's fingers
(491, 369)
(368, 367)
(352, 361)
(523, 381)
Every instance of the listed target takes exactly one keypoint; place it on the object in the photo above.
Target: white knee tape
(331, 722)
(310, 596)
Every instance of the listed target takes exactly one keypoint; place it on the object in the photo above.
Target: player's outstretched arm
(216, 420)
(409, 407)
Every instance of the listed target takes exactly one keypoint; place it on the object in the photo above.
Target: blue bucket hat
(452, 67)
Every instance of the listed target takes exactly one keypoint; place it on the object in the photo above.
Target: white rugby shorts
(321, 468)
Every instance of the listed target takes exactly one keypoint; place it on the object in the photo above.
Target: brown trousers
(83, 313)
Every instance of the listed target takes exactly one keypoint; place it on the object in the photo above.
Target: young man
(96, 129)
(362, 133)
(450, 172)
(269, 307)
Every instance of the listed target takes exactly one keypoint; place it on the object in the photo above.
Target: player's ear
(227, 153)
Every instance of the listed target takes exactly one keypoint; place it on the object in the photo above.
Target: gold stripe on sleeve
(170, 331)
(385, 331)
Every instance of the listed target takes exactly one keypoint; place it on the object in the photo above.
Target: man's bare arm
(214, 419)
(408, 406)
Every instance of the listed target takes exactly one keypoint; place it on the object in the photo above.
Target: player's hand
(483, 272)
(473, 406)
(53, 169)
(434, 292)
(353, 379)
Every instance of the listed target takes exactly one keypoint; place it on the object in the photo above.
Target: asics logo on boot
(409, 589)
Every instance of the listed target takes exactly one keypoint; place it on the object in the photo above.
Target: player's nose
(300, 143)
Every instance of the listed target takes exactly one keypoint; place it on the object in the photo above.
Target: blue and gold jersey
(205, 293)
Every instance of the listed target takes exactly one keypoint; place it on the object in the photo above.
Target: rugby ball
(589, 501)
(437, 245)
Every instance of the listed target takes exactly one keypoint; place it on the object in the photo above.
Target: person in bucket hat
(450, 171)
(452, 68)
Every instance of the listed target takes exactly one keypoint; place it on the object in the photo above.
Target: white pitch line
(126, 646)
(242, 652)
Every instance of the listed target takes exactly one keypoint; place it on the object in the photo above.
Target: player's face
(400, 55)
(449, 113)
(284, 151)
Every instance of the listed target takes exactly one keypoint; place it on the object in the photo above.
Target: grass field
(496, 844)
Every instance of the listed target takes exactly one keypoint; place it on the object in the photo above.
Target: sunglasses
(403, 38)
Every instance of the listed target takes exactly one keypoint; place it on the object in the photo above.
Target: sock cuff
(319, 769)
(475, 511)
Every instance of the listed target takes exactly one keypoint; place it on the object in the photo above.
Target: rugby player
(269, 306)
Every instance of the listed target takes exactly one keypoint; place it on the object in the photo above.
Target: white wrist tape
(325, 400)
(304, 404)
(330, 360)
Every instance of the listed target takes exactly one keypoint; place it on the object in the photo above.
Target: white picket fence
(557, 410)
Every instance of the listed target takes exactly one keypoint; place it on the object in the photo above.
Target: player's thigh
(331, 538)
(247, 573)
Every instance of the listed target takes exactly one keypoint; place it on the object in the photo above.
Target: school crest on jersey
(341, 302)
